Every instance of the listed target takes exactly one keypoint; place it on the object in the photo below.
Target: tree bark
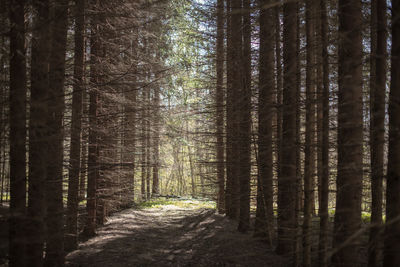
(244, 132)
(93, 150)
(323, 174)
(377, 124)
(350, 134)
(219, 103)
(38, 132)
(309, 149)
(54, 181)
(18, 137)
(265, 216)
(71, 240)
(392, 229)
(155, 189)
(233, 86)
(287, 189)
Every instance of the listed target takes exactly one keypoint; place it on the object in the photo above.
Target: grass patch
(181, 203)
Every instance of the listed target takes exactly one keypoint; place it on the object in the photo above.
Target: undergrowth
(181, 203)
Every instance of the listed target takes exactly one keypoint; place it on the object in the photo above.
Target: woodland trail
(169, 235)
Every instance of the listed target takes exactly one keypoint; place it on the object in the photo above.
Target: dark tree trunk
(299, 207)
(279, 84)
(54, 181)
(392, 230)
(350, 134)
(71, 240)
(93, 150)
(377, 125)
(18, 137)
(287, 189)
(264, 215)
(38, 131)
(233, 86)
(244, 132)
(309, 148)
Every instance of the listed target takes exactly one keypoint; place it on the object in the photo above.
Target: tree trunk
(143, 149)
(71, 240)
(350, 134)
(299, 181)
(323, 101)
(38, 132)
(309, 150)
(219, 103)
(155, 189)
(392, 229)
(148, 141)
(93, 150)
(244, 142)
(18, 138)
(233, 86)
(377, 124)
(265, 217)
(54, 181)
(287, 189)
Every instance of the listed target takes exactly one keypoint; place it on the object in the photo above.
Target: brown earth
(172, 236)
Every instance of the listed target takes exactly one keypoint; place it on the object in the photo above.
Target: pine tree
(350, 134)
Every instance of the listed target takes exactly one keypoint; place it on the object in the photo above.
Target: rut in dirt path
(172, 236)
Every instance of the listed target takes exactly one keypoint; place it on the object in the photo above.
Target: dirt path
(172, 236)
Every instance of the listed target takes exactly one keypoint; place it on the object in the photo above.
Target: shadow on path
(172, 236)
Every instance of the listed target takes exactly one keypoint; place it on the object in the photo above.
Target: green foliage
(179, 203)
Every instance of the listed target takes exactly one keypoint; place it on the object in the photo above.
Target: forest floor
(177, 233)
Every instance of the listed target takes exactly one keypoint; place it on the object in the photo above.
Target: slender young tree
(71, 240)
(309, 148)
(219, 103)
(93, 150)
(377, 124)
(287, 189)
(323, 145)
(264, 213)
(155, 188)
(143, 148)
(350, 135)
(17, 134)
(392, 229)
(244, 131)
